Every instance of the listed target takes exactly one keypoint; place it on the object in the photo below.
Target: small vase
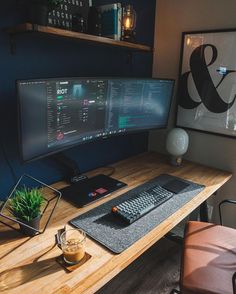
(38, 13)
(34, 223)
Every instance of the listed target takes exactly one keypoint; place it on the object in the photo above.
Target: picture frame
(207, 82)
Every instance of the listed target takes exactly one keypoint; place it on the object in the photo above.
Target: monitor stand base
(77, 178)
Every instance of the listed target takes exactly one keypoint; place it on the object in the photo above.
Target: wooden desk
(27, 265)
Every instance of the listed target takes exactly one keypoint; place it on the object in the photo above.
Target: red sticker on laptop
(101, 190)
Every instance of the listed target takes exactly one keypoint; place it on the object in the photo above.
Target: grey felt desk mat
(108, 230)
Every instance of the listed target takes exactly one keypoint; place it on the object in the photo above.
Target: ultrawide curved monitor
(58, 113)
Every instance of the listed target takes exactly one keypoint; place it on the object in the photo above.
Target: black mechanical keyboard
(141, 203)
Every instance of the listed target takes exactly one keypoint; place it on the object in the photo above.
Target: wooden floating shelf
(28, 27)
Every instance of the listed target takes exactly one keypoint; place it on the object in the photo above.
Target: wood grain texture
(28, 27)
(31, 261)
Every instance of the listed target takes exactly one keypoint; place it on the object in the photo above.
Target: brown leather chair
(209, 258)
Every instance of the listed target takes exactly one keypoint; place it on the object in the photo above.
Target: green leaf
(26, 203)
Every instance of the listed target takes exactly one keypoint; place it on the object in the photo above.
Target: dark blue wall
(40, 56)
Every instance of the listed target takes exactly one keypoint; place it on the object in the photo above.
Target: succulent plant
(26, 204)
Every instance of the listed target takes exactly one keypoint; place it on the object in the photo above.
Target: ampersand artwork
(203, 82)
(207, 85)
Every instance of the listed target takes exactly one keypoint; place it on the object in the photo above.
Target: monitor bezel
(64, 148)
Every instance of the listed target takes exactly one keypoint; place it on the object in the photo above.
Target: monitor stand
(72, 170)
(83, 190)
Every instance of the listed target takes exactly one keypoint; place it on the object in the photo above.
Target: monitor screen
(56, 114)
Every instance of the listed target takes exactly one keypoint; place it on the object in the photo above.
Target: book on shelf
(111, 20)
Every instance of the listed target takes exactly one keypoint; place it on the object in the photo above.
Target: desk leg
(194, 215)
(204, 212)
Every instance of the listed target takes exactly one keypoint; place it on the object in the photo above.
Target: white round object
(177, 142)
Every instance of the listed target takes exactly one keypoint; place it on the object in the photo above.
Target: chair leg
(174, 291)
(234, 282)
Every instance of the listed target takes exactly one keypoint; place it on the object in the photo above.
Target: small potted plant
(38, 10)
(26, 206)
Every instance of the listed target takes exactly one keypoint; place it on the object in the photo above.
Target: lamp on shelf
(129, 23)
(177, 145)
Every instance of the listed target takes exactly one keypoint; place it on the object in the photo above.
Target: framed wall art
(207, 82)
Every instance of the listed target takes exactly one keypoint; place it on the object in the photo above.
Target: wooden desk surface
(27, 265)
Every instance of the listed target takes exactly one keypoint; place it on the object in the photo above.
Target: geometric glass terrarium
(40, 200)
